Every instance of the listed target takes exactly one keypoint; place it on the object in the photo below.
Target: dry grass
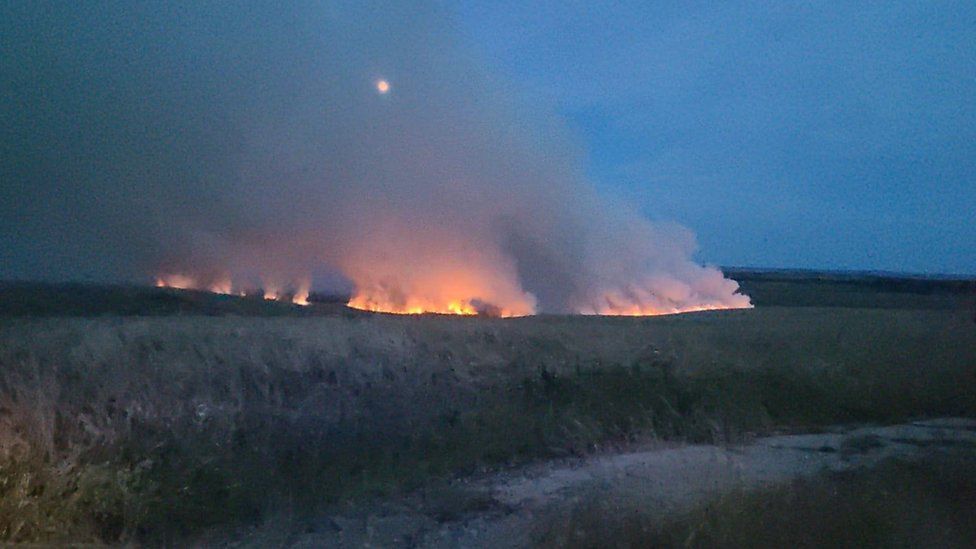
(155, 428)
(897, 504)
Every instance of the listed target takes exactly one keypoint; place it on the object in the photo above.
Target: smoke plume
(233, 146)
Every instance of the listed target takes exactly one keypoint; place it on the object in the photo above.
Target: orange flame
(178, 281)
(670, 297)
(636, 309)
(222, 286)
(301, 294)
(457, 290)
(181, 281)
(416, 306)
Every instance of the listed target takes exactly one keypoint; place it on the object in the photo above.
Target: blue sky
(785, 134)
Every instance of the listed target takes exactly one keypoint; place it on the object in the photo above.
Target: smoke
(245, 145)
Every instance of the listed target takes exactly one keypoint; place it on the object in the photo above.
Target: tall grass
(156, 429)
(931, 503)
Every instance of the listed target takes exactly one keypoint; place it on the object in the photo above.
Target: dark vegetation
(154, 429)
(35, 299)
(931, 503)
(797, 288)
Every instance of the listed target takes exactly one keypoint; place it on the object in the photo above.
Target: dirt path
(500, 510)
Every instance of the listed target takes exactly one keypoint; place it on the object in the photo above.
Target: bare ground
(505, 509)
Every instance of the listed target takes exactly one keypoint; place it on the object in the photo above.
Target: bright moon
(382, 86)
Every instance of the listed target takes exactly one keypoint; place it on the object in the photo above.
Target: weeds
(897, 504)
(117, 430)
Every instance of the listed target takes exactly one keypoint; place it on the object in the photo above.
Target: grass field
(125, 415)
(931, 503)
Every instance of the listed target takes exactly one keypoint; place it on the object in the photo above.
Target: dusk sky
(785, 134)
(543, 141)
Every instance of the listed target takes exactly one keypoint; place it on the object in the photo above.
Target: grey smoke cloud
(249, 141)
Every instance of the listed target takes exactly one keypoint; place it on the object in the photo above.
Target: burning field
(269, 261)
(418, 272)
(451, 293)
(370, 154)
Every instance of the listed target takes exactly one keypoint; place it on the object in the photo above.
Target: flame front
(178, 281)
(431, 270)
(458, 291)
(301, 293)
(637, 309)
(224, 285)
(662, 295)
(365, 302)
(476, 280)
(384, 301)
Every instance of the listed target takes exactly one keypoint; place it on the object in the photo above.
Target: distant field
(172, 412)
(858, 290)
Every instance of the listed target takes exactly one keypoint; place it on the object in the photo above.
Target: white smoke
(249, 144)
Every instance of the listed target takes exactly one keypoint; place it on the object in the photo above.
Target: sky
(552, 153)
(835, 135)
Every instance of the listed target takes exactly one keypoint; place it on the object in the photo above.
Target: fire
(453, 292)
(670, 296)
(184, 282)
(457, 276)
(636, 309)
(415, 306)
(301, 294)
(460, 281)
(473, 307)
(461, 308)
(222, 286)
(270, 289)
(178, 281)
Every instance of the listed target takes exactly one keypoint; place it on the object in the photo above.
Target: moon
(382, 86)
